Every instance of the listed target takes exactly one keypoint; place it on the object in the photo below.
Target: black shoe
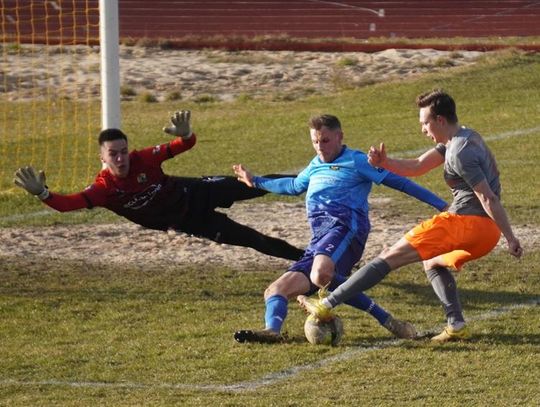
(263, 336)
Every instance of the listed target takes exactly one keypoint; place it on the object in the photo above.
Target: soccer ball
(323, 333)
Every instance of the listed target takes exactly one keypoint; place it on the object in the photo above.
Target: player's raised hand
(377, 156)
(243, 174)
(180, 124)
(27, 179)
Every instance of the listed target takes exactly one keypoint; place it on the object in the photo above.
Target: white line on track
(268, 380)
(378, 12)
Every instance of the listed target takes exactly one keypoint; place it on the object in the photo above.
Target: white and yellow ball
(323, 333)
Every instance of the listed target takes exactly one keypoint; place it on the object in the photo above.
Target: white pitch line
(501, 136)
(268, 380)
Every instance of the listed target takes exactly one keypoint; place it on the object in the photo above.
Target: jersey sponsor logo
(142, 199)
(142, 178)
(320, 179)
(212, 178)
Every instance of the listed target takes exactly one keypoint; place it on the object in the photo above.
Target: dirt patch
(126, 243)
(213, 74)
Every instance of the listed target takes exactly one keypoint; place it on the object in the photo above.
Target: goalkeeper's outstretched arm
(34, 183)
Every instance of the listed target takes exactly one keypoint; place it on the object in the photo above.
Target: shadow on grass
(478, 340)
(471, 299)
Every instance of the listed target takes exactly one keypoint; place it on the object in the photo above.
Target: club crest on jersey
(142, 178)
(334, 168)
(156, 150)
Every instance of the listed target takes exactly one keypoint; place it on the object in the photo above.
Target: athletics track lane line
(267, 380)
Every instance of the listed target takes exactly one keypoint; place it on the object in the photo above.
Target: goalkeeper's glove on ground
(180, 125)
(27, 178)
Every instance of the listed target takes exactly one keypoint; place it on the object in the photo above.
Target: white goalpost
(110, 65)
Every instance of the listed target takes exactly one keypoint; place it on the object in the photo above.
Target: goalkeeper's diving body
(338, 181)
(470, 229)
(134, 186)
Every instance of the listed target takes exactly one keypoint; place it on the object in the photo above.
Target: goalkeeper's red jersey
(147, 196)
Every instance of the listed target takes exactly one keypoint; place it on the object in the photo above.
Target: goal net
(49, 91)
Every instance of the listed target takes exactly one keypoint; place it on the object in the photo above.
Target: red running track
(209, 22)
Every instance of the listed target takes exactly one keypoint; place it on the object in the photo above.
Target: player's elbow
(419, 168)
(489, 201)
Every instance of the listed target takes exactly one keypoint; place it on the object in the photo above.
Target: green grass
(166, 333)
(76, 334)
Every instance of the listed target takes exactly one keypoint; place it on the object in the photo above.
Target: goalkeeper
(338, 181)
(134, 186)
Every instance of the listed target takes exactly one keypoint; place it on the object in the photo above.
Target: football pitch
(84, 332)
(76, 333)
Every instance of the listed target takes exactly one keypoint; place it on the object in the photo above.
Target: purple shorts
(343, 246)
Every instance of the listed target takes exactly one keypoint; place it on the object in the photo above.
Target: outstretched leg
(401, 329)
(219, 228)
(223, 191)
(400, 254)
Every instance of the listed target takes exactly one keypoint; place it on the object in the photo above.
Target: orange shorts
(458, 238)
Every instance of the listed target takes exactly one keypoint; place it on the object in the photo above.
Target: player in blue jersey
(337, 181)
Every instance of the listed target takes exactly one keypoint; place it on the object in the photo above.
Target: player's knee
(321, 277)
(427, 264)
(275, 288)
(270, 291)
(322, 270)
(289, 285)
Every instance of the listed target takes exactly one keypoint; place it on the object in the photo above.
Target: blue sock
(276, 312)
(362, 302)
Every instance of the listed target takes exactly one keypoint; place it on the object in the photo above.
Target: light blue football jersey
(335, 192)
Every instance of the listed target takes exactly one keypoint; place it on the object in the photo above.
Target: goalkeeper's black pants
(202, 220)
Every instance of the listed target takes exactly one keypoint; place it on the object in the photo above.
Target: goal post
(110, 65)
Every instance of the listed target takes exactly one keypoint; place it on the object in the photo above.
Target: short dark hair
(111, 135)
(327, 120)
(440, 104)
